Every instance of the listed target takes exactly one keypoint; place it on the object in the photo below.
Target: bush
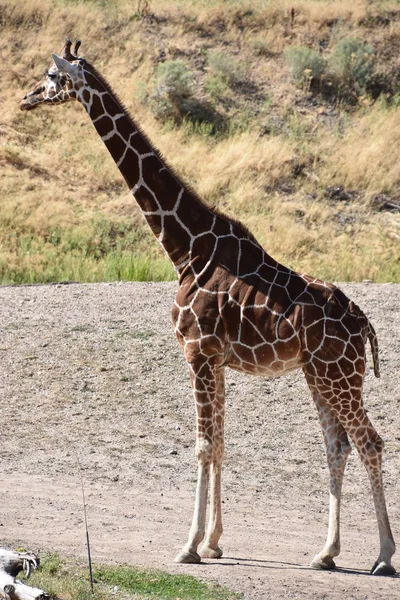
(224, 67)
(173, 99)
(223, 72)
(304, 64)
(215, 87)
(353, 64)
(172, 89)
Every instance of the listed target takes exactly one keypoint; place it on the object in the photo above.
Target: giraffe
(237, 307)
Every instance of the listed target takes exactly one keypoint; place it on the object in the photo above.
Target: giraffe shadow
(280, 565)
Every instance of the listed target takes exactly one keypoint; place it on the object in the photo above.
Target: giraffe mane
(188, 187)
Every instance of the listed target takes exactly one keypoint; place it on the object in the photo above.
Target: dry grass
(64, 200)
(368, 157)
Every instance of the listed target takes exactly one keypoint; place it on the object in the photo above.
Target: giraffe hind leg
(344, 397)
(337, 451)
(370, 449)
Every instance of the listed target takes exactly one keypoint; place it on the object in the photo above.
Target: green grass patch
(68, 580)
(157, 584)
(49, 265)
(98, 249)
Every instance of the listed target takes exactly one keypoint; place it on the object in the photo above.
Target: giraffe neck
(173, 211)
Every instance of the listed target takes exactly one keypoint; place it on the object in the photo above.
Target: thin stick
(86, 523)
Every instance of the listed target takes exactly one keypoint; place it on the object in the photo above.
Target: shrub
(304, 64)
(353, 64)
(172, 89)
(224, 67)
(223, 72)
(215, 87)
(173, 99)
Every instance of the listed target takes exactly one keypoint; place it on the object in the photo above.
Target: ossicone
(66, 52)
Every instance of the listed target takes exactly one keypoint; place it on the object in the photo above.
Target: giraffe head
(61, 82)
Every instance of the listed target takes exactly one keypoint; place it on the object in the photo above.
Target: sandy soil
(94, 371)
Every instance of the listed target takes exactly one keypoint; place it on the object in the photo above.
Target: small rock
(173, 452)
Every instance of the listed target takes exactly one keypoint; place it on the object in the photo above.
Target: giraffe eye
(51, 75)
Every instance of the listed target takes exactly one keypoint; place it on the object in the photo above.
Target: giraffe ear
(63, 65)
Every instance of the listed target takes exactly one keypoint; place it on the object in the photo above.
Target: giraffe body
(236, 307)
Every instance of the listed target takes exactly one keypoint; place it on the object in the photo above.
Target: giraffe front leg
(210, 548)
(337, 451)
(189, 553)
(204, 386)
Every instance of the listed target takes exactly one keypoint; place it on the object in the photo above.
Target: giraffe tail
(370, 333)
(373, 340)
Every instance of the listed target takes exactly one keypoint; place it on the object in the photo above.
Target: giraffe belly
(267, 360)
(263, 371)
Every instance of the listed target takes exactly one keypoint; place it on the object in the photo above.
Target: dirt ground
(94, 372)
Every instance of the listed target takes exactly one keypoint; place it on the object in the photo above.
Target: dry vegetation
(312, 174)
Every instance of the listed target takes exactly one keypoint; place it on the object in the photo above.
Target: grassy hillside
(279, 118)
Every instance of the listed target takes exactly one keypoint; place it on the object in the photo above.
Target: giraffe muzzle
(32, 99)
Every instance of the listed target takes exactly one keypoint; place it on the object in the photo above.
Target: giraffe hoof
(187, 558)
(325, 563)
(208, 552)
(382, 568)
